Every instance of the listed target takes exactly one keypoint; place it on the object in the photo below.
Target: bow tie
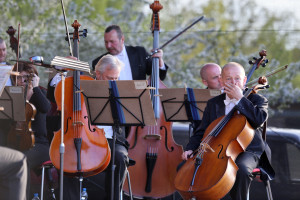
(228, 101)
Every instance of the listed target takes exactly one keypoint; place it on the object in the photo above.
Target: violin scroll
(261, 61)
(13, 40)
(262, 84)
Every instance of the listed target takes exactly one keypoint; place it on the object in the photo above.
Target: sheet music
(4, 75)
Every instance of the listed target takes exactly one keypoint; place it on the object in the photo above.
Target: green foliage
(231, 31)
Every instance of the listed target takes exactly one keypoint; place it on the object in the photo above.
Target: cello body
(21, 136)
(157, 157)
(94, 154)
(217, 171)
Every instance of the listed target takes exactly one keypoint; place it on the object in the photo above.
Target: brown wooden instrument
(21, 136)
(153, 147)
(211, 172)
(86, 148)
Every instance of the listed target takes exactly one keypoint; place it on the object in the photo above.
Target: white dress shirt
(229, 104)
(126, 73)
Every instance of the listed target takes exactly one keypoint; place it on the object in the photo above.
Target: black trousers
(246, 162)
(99, 186)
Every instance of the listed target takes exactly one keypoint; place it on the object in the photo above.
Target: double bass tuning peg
(83, 34)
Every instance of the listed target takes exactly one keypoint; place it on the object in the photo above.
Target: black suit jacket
(140, 66)
(254, 108)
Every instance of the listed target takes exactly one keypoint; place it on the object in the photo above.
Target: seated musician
(13, 174)
(36, 96)
(254, 108)
(108, 68)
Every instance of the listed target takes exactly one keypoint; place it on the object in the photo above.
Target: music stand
(185, 104)
(117, 103)
(12, 101)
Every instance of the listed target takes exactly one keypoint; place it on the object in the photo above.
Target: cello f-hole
(166, 139)
(94, 130)
(220, 145)
(135, 138)
(69, 118)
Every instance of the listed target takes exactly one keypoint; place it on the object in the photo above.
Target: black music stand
(12, 102)
(178, 106)
(117, 103)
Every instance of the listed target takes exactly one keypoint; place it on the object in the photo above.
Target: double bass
(153, 147)
(21, 136)
(211, 172)
(86, 148)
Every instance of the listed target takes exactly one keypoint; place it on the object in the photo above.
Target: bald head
(3, 51)
(233, 73)
(210, 75)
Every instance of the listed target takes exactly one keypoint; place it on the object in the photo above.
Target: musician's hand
(187, 154)
(35, 81)
(233, 91)
(159, 55)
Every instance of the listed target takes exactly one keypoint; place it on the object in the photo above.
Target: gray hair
(108, 62)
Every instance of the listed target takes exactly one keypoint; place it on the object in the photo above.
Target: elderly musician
(254, 108)
(108, 68)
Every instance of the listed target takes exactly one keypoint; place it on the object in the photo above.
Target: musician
(108, 68)
(3, 53)
(35, 95)
(210, 74)
(13, 174)
(136, 66)
(254, 108)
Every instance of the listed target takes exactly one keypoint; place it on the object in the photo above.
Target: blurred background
(232, 30)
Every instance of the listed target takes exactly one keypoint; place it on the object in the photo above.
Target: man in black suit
(136, 66)
(254, 108)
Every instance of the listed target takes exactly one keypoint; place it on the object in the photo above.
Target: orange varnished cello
(86, 148)
(21, 136)
(153, 147)
(211, 172)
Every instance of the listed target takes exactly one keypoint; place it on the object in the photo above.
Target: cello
(211, 172)
(153, 147)
(21, 136)
(86, 148)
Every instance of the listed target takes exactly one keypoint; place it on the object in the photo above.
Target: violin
(153, 147)
(83, 143)
(211, 172)
(21, 136)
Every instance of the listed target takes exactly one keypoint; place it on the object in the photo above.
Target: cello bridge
(152, 137)
(206, 148)
(78, 123)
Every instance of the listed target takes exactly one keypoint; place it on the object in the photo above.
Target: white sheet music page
(5, 71)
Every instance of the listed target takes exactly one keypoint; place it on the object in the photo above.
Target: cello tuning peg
(84, 33)
(251, 62)
(266, 61)
(263, 64)
(254, 58)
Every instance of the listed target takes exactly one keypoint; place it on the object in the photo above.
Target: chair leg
(268, 189)
(42, 184)
(129, 185)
